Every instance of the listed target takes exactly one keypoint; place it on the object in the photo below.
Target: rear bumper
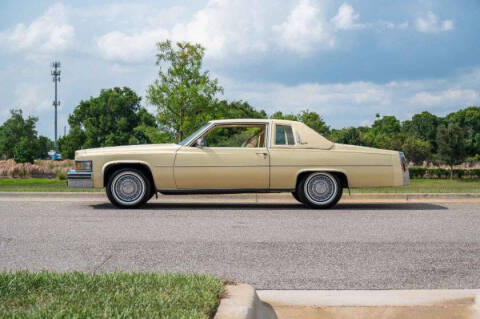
(79, 178)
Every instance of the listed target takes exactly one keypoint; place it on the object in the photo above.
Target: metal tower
(56, 78)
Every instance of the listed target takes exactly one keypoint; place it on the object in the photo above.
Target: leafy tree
(469, 120)
(24, 152)
(385, 133)
(14, 129)
(44, 144)
(107, 120)
(423, 125)
(349, 135)
(235, 110)
(311, 119)
(314, 121)
(280, 116)
(388, 125)
(451, 145)
(416, 150)
(184, 95)
(71, 142)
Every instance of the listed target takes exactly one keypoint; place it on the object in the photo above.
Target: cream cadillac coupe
(239, 156)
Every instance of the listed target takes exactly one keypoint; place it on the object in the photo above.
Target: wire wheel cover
(320, 188)
(128, 187)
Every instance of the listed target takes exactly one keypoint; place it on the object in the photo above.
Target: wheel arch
(110, 167)
(340, 174)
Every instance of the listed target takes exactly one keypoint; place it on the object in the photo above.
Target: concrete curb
(370, 298)
(250, 198)
(242, 302)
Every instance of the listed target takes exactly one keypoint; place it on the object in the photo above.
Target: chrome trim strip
(186, 191)
(77, 174)
(79, 178)
(330, 165)
(280, 165)
(222, 166)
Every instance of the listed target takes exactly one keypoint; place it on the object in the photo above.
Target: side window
(248, 135)
(284, 135)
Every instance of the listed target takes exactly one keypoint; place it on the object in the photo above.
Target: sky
(346, 60)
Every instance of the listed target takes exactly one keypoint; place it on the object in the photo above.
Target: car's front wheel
(319, 190)
(128, 188)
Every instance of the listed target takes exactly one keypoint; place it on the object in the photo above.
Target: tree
(14, 129)
(237, 109)
(349, 135)
(184, 95)
(71, 142)
(469, 120)
(280, 116)
(416, 150)
(107, 120)
(24, 152)
(451, 145)
(385, 133)
(314, 121)
(44, 145)
(423, 125)
(311, 119)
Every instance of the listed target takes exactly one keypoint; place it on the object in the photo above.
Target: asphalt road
(356, 246)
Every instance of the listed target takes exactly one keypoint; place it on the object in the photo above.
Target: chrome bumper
(79, 178)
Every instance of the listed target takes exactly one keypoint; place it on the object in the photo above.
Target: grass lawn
(38, 185)
(416, 186)
(429, 186)
(113, 295)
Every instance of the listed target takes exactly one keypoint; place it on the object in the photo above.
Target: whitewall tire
(128, 188)
(319, 190)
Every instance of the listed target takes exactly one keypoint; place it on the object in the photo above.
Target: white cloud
(119, 46)
(237, 27)
(48, 33)
(32, 99)
(446, 97)
(346, 18)
(351, 103)
(224, 27)
(431, 24)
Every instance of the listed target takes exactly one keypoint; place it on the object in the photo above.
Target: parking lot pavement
(271, 246)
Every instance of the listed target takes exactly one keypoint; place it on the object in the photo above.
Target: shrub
(417, 172)
(61, 176)
(459, 173)
(475, 173)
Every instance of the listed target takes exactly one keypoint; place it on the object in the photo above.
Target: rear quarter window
(284, 135)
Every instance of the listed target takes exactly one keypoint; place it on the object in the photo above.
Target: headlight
(83, 165)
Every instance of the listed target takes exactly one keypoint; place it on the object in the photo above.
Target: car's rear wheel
(128, 188)
(319, 190)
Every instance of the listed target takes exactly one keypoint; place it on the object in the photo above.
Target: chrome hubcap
(128, 187)
(320, 188)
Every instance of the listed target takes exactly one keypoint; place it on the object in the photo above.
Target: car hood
(128, 149)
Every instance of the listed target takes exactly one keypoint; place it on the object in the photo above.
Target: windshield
(191, 136)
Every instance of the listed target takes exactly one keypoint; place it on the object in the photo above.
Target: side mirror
(200, 142)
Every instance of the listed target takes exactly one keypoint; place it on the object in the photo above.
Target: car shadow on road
(273, 206)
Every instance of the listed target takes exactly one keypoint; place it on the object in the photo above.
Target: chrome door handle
(262, 153)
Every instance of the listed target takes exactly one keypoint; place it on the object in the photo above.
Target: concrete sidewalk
(247, 197)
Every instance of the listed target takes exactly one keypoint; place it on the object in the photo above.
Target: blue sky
(346, 60)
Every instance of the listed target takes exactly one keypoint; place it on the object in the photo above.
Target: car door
(234, 156)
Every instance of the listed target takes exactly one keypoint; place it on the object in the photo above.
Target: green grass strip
(112, 295)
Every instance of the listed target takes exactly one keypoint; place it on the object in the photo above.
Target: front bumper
(79, 178)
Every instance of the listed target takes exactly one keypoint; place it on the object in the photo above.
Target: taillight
(403, 161)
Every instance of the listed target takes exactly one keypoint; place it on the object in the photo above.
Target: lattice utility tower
(56, 103)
